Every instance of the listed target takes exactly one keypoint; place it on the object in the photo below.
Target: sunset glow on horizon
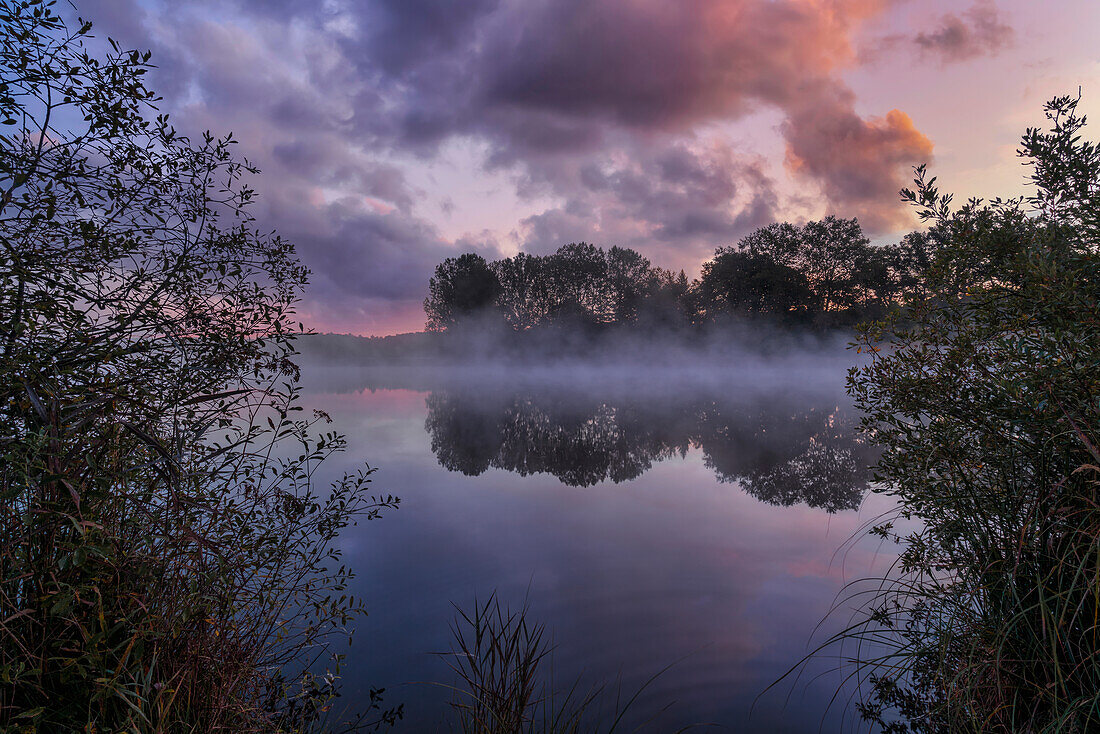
(393, 134)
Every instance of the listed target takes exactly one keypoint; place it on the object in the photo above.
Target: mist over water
(680, 502)
(738, 356)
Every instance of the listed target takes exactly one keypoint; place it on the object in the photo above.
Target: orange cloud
(859, 163)
(654, 68)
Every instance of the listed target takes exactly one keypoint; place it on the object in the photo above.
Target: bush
(984, 402)
(166, 561)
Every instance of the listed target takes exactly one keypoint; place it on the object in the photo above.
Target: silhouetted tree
(831, 254)
(524, 299)
(828, 253)
(667, 303)
(740, 281)
(908, 260)
(580, 283)
(631, 280)
(461, 286)
(824, 273)
(579, 287)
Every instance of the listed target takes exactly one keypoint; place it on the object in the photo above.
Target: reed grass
(500, 658)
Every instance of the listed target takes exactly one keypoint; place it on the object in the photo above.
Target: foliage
(498, 655)
(578, 284)
(747, 282)
(823, 274)
(524, 301)
(984, 402)
(461, 286)
(166, 561)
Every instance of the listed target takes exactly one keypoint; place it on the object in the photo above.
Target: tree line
(822, 274)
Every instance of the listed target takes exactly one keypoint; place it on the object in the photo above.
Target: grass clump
(499, 657)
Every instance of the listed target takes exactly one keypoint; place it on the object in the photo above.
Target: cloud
(606, 108)
(548, 84)
(678, 201)
(980, 31)
(574, 78)
(562, 76)
(403, 33)
(326, 161)
(351, 214)
(859, 163)
(370, 264)
(649, 64)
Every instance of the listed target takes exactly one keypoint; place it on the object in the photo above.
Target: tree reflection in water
(783, 451)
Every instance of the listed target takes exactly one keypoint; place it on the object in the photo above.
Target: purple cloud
(980, 31)
(599, 105)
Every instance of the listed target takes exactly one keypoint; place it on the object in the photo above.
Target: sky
(392, 134)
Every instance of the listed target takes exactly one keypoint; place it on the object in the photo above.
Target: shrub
(984, 402)
(166, 560)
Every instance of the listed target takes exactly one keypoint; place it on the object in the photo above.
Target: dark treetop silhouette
(824, 274)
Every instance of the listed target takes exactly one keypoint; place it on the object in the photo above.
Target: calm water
(696, 517)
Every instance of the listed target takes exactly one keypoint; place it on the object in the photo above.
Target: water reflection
(783, 450)
(665, 561)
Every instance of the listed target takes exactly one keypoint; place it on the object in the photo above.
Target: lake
(705, 518)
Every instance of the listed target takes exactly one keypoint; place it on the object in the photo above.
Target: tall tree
(524, 299)
(462, 286)
(631, 280)
(579, 287)
(828, 252)
(741, 281)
